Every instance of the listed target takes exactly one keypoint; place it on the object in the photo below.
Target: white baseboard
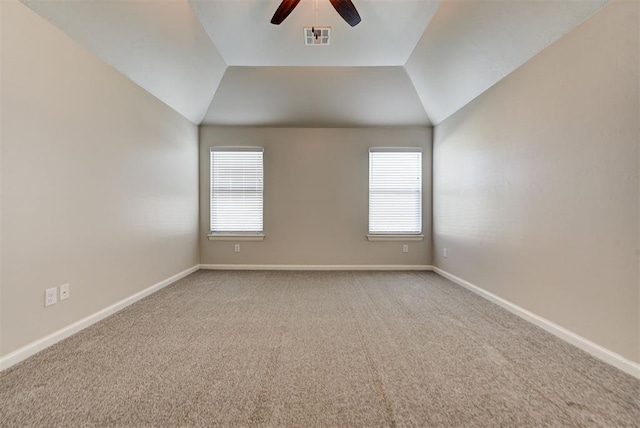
(55, 337)
(594, 349)
(316, 267)
(586, 345)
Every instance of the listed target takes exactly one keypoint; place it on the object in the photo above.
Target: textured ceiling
(452, 51)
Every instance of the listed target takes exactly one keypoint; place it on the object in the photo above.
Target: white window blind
(236, 189)
(395, 191)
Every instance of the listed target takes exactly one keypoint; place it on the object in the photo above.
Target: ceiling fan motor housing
(345, 9)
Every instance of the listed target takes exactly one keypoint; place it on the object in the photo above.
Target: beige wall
(315, 196)
(99, 182)
(536, 186)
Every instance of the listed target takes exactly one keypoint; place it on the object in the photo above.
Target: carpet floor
(315, 349)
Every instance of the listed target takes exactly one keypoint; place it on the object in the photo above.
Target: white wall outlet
(405, 248)
(444, 253)
(51, 296)
(237, 248)
(64, 291)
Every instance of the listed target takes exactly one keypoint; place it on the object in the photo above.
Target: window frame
(233, 235)
(396, 236)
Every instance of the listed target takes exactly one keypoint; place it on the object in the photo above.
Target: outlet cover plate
(51, 296)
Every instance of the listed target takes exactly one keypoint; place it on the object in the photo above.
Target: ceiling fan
(345, 8)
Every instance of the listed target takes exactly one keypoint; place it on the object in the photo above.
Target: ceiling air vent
(317, 36)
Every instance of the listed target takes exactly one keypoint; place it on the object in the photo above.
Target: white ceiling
(160, 45)
(452, 51)
(386, 36)
(471, 45)
(316, 97)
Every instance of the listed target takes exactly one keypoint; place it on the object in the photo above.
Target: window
(236, 191)
(395, 192)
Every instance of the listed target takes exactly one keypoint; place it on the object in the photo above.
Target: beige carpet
(315, 349)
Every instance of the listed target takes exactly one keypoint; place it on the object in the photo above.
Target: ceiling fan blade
(347, 11)
(283, 11)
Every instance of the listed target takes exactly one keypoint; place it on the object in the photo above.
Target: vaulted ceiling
(409, 62)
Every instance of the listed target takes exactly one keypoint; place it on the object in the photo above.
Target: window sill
(236, 237)
(395, 237)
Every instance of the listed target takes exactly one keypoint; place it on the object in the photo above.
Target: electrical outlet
(51, 296)
(405, 248)
(444, 253)
(237, 248)
(64, 291)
